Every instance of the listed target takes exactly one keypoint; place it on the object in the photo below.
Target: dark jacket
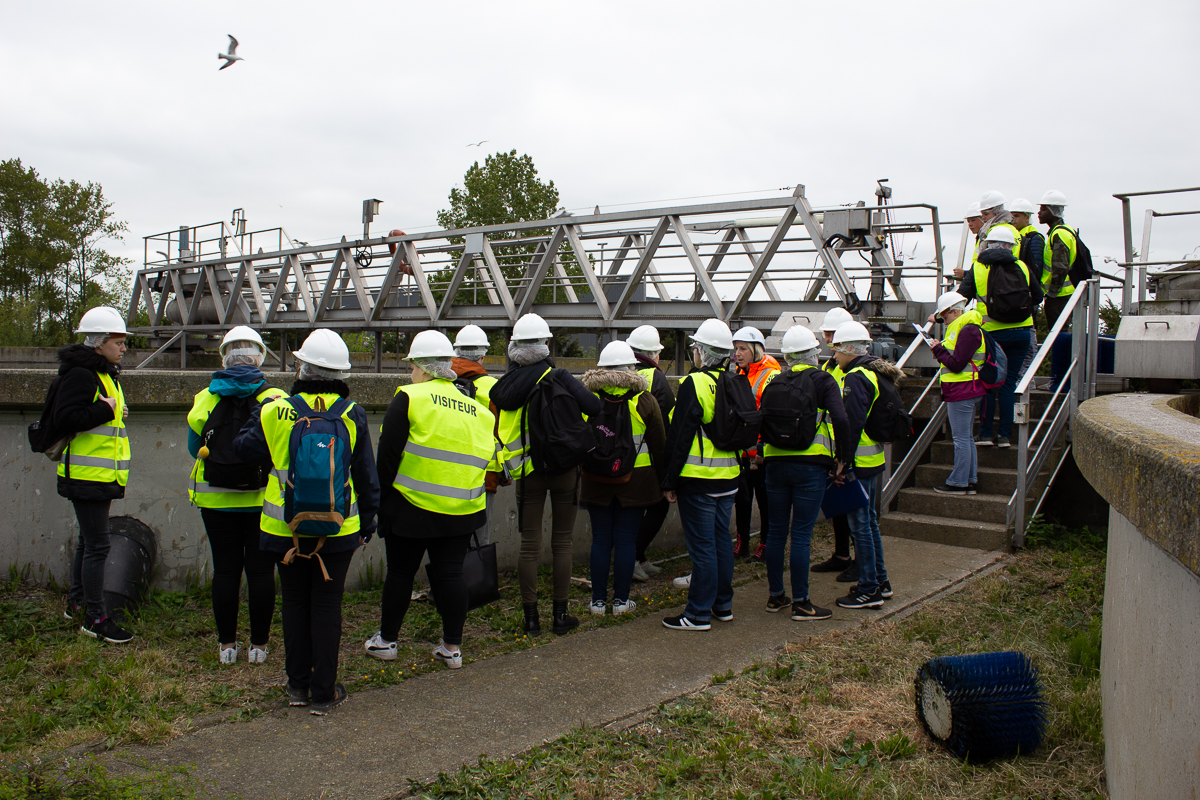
(685, 422)
(514, 387)
(77, 409)
(397, 516)
(660, 387)
(1002, 255)
(1033, 253)
(251, 445)
(644, 485)
(829, 397)
(859, 394)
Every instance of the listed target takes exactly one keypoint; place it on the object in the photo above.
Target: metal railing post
(1079, 349)
(1093, 362)
(1022, 423)
(1127, 229)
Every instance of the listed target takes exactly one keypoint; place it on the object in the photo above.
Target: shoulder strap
(298, 403)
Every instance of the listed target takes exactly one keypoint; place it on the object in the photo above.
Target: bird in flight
(232, 55)
(477, 144)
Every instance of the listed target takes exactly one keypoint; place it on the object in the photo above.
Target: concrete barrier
(1142, 453)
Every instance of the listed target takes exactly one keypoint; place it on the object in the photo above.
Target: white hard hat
(1001, 233)
(324, 348)
(1022, 206)
(101, 319)
(1054, 198)
(851, 332)
(714, 333)
(948, 300)
(242, 333)
(645, 337)
(471, 336)
(798, 339)
(617, 354)
(530, 327)
(835, 317)
(430, 344)
(973, 210)
(750, 334)
(991, 199)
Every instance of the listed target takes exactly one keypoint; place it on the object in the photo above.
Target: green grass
(89, 779)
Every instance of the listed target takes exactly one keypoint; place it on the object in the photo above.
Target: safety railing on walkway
(899, 475)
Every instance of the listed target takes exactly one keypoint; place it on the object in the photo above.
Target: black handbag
(479, 574)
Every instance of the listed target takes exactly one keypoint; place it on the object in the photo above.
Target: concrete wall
(1142, 453)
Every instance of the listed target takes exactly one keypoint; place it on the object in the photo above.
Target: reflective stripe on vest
(101, 454)
(1067, 236)
(514, 447)
(277, 418)
(969, 372)
(201, 494)
(980, 271)
(822, 444)
(450, 446)
(868, 453)
(704, 459)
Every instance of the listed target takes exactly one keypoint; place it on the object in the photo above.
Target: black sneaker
(777, 602)
(325, 706)
(805, 610)
(948, 489)
(1002, 442)
(834, 563)
(685, 623)
(860, 599)
(106, 631)
(72, 609)
(983, 441)
(885, 590)
(723, 616)
(972, 488)
(297, 697)
(849, 574)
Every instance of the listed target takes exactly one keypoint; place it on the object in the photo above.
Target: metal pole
(183, 347)
(1144, 256)
(1079, 350)
(1127, 228)
(283, 351)
(1018, 540)
(1093, 335)
(378, 352)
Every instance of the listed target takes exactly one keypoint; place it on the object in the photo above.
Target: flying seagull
(477, 144)
(232, 55)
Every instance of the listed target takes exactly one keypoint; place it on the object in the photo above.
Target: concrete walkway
(370, 746)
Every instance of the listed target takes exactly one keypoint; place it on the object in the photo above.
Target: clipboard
(921, 332)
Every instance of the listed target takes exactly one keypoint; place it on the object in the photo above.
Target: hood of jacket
(645, 361)
(996, 255)
(466, 368)
(622, 380)
(332, 386)
(240, 381)
(72, 356)
(514, 387)
(879, 366)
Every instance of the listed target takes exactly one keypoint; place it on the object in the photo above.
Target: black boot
(563, 622)
(532, 626)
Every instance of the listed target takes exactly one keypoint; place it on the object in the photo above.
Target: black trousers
(233, 538)
(651, 524)
(91, 554)
(841, 536)
(312, 621)
(1054, 307)
(404, 557)
(752, 485)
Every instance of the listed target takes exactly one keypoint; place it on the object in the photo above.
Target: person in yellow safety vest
(1058, 255)
(974, 220)
(94, 469)
(434, 450)
(312, 569)
(1012, 337)
(839, 561)
(860, 390)
(470, 346)
(229, 494)
(646, 349)
(529, 365)
(703, 479)
(796, 478)
(749, 351)
(1032, 245)
(962, 353)
(617, 502)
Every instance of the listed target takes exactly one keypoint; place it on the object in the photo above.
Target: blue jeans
(705, 523)
(961, 414)
(1015, 344)
(793, 490)
(614, 528)
(868, 546)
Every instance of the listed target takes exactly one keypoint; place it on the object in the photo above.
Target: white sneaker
(639, 574)
(683, 582)
(650, 569)
(451, 660)
(227, 655)
(598, 607)
(623, 606)
(377, 647)
(258, 655)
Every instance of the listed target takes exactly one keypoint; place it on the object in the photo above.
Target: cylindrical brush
(982, 706)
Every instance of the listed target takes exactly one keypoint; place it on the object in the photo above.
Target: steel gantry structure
(745, 262)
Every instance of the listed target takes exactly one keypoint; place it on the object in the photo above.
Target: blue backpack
(316, 500)
(994, 370)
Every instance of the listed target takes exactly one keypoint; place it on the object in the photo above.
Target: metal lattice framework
(604, 273)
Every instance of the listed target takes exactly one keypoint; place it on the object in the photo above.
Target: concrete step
(942, 452)
(992, 480)
(911, 390)
(978, 507)
(943, 530)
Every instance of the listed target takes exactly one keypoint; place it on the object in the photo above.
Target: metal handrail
(1066, 377)
(1059, 324)
(892, 487)
(1049, 483)
(912, 347)
(1061, 417)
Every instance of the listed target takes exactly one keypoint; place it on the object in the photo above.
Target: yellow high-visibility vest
(102, 453)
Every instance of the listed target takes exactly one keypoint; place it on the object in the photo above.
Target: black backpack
(736, 418)
(612, 460)
(1082, 269)
(222, 469)
(1008, 298)
(889, 420)
(789, 410)
(43, 436)
(559, 437)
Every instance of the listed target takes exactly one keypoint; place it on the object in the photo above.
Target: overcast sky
(617, 102)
